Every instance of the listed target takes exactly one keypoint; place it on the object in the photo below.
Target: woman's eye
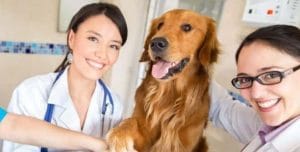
(244, 80)
(115, 47)
(272, 75)
(93, 39)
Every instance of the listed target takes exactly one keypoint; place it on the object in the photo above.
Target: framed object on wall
(212, 8)
(67, 8)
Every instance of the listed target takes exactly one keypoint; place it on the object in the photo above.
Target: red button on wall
(270, 12)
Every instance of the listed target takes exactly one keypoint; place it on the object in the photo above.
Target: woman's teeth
(95, 64)
(267, 104)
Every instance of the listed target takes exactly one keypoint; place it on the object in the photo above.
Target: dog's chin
(165, 70)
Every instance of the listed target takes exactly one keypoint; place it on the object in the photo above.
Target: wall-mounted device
(268, 12)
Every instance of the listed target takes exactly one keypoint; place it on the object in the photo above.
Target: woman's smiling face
(95, 47)
(274, 103)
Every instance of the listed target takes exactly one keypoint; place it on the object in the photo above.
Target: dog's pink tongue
(160, 69)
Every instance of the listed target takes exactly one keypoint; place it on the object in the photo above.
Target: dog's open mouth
(162, 69)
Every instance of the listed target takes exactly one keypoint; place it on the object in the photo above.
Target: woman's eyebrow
(260, 70)
(242, 74)
(269, 68)
(98, 34)
(93, 32)
(116, 41)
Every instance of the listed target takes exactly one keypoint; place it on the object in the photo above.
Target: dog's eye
(186, 27)
(160, 25)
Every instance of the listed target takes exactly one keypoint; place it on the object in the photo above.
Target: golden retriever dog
(172, 103)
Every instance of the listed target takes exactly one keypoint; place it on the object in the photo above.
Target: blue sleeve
(2, 113)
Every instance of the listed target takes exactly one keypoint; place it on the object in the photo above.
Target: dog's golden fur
(171, 112)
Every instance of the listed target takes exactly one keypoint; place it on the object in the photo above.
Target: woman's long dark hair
(285, 38)
(109, 10)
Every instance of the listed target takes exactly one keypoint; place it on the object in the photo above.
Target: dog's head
(179, 39)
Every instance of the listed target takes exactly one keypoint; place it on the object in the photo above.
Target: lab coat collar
(289, 138)
(65, 113)
(268, 132)
(59, 93)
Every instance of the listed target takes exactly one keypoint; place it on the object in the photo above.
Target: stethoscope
(50, 107)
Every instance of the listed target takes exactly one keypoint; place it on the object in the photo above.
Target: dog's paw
(119, 141)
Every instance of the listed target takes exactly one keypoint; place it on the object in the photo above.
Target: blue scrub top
(2, 113)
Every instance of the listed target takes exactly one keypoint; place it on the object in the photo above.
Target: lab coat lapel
(253, 145)
(98, 124)
(288, 140)
(68, 118)
(64, 113)
(93, 121)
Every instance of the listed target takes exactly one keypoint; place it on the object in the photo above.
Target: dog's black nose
(159, 44)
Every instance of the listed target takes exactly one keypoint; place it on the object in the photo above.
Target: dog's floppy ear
(145, 55)
(208, 52)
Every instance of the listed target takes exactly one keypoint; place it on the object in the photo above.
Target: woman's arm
(28, 130)
(235, 117)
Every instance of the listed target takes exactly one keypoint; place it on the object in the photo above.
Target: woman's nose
(101, 52)
(257, 90)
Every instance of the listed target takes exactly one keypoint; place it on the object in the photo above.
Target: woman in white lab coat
(74, 97)
(268, 63)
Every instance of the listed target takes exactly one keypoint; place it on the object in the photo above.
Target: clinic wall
(27, 21)
(124, 74)
(231, 31)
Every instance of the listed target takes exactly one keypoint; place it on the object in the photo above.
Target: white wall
(231, 31)
(29, 21)
(125, 71)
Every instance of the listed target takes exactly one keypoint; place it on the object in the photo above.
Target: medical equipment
(50, 107)
(269, 12)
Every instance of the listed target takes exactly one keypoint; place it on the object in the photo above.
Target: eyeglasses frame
(256, 78)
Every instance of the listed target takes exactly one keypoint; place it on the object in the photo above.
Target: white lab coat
(286, 141)
(31, 97)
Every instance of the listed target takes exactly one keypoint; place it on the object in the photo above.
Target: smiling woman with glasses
(268, 63)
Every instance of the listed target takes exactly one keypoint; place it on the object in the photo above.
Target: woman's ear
(145, 55)
(209, 51)
(71, 39)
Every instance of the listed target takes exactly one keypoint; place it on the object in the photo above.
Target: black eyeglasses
(267, 78)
